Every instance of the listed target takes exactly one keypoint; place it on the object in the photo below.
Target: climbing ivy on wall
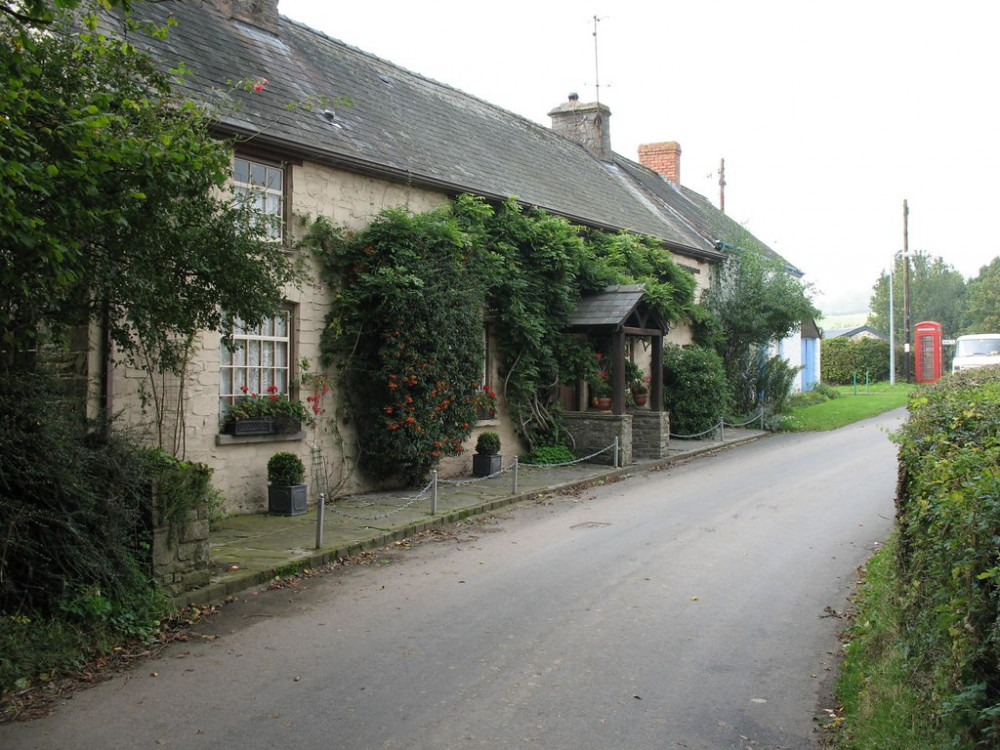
(406, 331)
(412, 292)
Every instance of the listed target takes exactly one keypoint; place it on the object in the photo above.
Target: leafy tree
(937, 292)
(112, 204)
(754, 301)
(42, 12)
(982, 313)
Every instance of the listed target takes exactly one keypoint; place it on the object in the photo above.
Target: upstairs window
(263, 185)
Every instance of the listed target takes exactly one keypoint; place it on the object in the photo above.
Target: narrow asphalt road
(686, 608)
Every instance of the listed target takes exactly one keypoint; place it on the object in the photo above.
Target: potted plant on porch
(601, 390)
(487, 460)
(286, 489)
(640, 391)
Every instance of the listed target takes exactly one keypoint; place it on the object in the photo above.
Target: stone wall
(180, 551)
(650, 433)
(595, 430)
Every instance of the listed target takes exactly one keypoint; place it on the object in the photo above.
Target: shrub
(285, 469)
(76, 512)
(545, 455)
(488, 443)
(406, 331)
(827, 391)
(695, 391)
(948, 522)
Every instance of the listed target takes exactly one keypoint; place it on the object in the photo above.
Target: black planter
(486, 464)
(283, 425)
(286, 500)
(251, 426)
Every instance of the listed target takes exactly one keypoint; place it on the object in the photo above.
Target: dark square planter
(286, 500)
(486, 464)
(286, 425)
(253, 426)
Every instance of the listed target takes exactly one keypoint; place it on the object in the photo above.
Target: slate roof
(611, 307)
(696, 211)
(399, 125)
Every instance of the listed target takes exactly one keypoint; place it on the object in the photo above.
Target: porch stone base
(593, 431)
(650, 433)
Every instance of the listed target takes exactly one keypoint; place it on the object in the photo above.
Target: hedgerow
(844, 359)
(948, 558)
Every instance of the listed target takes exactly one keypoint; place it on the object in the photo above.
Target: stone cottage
(324, 129)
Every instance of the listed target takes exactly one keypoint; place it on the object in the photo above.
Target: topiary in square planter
(486, 464)
(286, 500)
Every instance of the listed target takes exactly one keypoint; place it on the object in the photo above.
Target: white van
(976, 350)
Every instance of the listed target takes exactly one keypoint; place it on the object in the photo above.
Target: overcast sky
(828, 115)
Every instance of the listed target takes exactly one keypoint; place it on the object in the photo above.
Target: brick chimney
(587, 124)
(664, 157)
(260, 13)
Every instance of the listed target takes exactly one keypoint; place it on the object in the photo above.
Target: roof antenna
(597, 75)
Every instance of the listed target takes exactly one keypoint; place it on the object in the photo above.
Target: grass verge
(818, 413)
(882, 706)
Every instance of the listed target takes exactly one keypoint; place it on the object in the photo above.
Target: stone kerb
(593, 431)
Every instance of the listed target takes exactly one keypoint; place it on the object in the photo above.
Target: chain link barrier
(388, 513)
(721, 425)
(613, 446)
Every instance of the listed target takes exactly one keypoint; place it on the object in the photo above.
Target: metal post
(515, 474)
(762, 417)
(906, 290)
(722, 430)
(892, 326)
(320, 510)
(434, 494)
(614, 461)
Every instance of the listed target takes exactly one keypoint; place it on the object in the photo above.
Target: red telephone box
(927, 351)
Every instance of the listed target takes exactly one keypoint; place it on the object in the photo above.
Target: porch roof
(618, 306)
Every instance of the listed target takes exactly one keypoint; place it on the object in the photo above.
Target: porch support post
(618, 355)
(656, 376)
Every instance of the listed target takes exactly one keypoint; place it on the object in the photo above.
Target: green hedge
(843, 359)
(948, 560)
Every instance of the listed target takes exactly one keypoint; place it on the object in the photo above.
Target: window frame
(267, 161)
(270, 371)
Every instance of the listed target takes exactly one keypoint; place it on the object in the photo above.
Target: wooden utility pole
(722, 185)
(906, 289)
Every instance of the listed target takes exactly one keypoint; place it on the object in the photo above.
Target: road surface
(686, 608)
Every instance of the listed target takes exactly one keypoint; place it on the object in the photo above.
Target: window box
(251, 426)
(279, 425)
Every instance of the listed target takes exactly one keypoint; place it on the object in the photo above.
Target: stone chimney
(664, 157)
(260, 13)
(587, 124)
